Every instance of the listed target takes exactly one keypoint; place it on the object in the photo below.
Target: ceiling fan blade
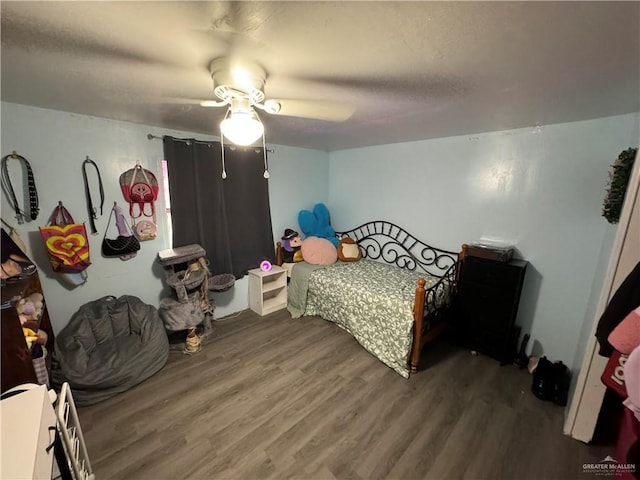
(416, 86)
(85, 30)
(316, 109)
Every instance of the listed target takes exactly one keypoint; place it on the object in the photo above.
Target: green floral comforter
(373, 301)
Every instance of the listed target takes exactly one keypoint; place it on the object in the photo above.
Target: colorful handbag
(66, 242)
(140, 187)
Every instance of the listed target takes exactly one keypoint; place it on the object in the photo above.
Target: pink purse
(140, 187)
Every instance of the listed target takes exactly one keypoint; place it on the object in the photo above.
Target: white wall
(541, 187)
(56, 143)
(299, 180)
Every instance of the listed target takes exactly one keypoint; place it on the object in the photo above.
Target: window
(229, 218)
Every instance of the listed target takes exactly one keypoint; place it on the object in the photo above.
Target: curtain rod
(150, 136)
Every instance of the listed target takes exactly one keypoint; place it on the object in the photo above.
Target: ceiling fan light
(242, 128)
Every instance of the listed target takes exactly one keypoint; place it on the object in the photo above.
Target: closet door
(589, 392)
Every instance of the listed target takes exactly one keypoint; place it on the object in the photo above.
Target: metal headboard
(382, 240)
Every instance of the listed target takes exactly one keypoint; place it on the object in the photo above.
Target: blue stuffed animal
(317, 223)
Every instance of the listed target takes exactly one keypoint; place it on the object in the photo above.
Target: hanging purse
(66, 242)
(140, 187)
(125, 245)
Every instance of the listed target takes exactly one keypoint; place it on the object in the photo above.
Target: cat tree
(188, 312)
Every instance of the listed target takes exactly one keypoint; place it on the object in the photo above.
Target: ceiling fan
(239, 85)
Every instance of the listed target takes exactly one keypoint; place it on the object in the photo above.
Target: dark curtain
(229, 218)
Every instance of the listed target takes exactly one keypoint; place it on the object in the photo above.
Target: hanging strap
(93, 214)
(106, 229)
(21, 215)
(121, 223)
(60, 217)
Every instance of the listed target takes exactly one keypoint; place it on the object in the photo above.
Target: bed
(393, 301)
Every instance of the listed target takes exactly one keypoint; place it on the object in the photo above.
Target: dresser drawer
(486, 305)
(486, 308)
(492, 273)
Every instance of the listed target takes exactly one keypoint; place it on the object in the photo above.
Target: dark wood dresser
(17, 365)
(487, 305)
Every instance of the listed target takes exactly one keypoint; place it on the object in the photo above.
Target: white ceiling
(412, 70)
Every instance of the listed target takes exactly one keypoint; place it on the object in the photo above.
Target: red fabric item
(613, 375)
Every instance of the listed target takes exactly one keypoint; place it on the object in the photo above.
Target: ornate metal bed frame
(387, 242)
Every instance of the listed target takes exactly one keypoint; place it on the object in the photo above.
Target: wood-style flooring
(274, 397)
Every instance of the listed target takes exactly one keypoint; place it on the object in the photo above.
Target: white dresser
(27, 425)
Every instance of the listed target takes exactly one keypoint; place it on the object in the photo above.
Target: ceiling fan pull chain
(224, 172)
(266, 165)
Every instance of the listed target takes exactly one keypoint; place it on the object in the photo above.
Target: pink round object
(265, 266)
(318, 251)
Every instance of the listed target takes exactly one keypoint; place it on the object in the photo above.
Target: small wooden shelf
(267, 290)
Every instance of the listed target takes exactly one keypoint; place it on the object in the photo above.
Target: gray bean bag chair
(108, 346)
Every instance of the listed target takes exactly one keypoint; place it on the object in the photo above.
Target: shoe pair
(551, 381)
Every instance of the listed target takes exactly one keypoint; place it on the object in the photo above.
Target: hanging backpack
(140, 187)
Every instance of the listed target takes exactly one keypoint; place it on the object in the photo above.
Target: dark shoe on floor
(543, 380)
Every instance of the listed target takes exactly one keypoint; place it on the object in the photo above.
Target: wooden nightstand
(487, 305)
(267, 290)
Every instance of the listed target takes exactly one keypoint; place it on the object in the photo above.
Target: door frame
(583, 411)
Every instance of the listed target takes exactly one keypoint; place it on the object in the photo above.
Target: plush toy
(29, 309)
(319, 251)
(317, 223)
(348, 250)
(39, 336)
(291, 243)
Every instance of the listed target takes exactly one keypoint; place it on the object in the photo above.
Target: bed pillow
(318, 251)
(348, 250)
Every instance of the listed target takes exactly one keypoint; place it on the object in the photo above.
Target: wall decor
(617, 185)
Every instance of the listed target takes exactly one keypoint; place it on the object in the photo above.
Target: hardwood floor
(274, 397)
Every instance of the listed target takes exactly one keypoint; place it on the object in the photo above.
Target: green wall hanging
(617, 186)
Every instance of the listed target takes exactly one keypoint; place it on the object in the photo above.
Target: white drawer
(25, 419)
